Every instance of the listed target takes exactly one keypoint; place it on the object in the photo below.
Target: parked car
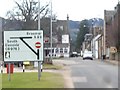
(74, 54)
(88, 55)
(78, 54)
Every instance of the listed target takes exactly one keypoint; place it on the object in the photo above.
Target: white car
(88, 55)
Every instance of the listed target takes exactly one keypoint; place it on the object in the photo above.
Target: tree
(27, 12)
(84, 29)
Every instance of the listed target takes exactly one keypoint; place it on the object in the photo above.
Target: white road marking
(79, 79)
(109, 86)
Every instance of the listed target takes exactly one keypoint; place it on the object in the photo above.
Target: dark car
(74, 54)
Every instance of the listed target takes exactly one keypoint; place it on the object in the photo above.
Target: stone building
(112, 32)
(60, 40)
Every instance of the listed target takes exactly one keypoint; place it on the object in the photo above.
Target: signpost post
(9, 77)
(38, 45)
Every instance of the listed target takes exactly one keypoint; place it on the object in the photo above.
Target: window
(61, 50)
(57, 50)
(52, 50)
(65, 50)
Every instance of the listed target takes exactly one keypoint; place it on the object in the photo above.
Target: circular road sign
(37, 44)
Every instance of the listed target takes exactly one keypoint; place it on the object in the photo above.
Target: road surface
(91, 73)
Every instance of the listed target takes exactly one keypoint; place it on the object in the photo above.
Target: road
(92, 73)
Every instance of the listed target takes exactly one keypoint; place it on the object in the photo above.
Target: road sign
(113, 49)
(37, 44)
(23, 45)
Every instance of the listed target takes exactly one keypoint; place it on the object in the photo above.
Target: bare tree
(27, 12)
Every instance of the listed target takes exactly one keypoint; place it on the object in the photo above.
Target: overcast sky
(76, 9)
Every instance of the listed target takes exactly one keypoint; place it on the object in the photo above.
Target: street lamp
(51, 34)
(39, 63)
(38, 14)
(92, 37)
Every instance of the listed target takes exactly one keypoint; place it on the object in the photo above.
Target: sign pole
(9, 76)
(39, 70)
(39, 65)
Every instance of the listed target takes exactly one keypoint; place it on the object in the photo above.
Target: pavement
(113, 62)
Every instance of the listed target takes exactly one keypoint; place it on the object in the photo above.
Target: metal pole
(39, 70)
(9, 76)
(104, 35)
(92, 38)
(39, 63)
(51, 32)
(38, 14)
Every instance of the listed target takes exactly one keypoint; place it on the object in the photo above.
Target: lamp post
(92, 38)
(51, 33)
(85, 38)
(38, 14)
(39, 63)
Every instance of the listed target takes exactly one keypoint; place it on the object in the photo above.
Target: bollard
(1, 69)
(41, 67)
(23, 68)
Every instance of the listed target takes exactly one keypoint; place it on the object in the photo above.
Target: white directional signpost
(24, 45)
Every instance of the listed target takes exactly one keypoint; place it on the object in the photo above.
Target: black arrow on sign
(22, 39)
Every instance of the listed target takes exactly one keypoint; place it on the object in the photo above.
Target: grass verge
(0, 81)
(50, 66)
(30, 80)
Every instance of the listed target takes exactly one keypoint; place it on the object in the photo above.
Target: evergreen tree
(84, 29)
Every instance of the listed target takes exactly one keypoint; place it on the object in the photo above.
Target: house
(97, 42)
(60, 40)
(112, 33)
